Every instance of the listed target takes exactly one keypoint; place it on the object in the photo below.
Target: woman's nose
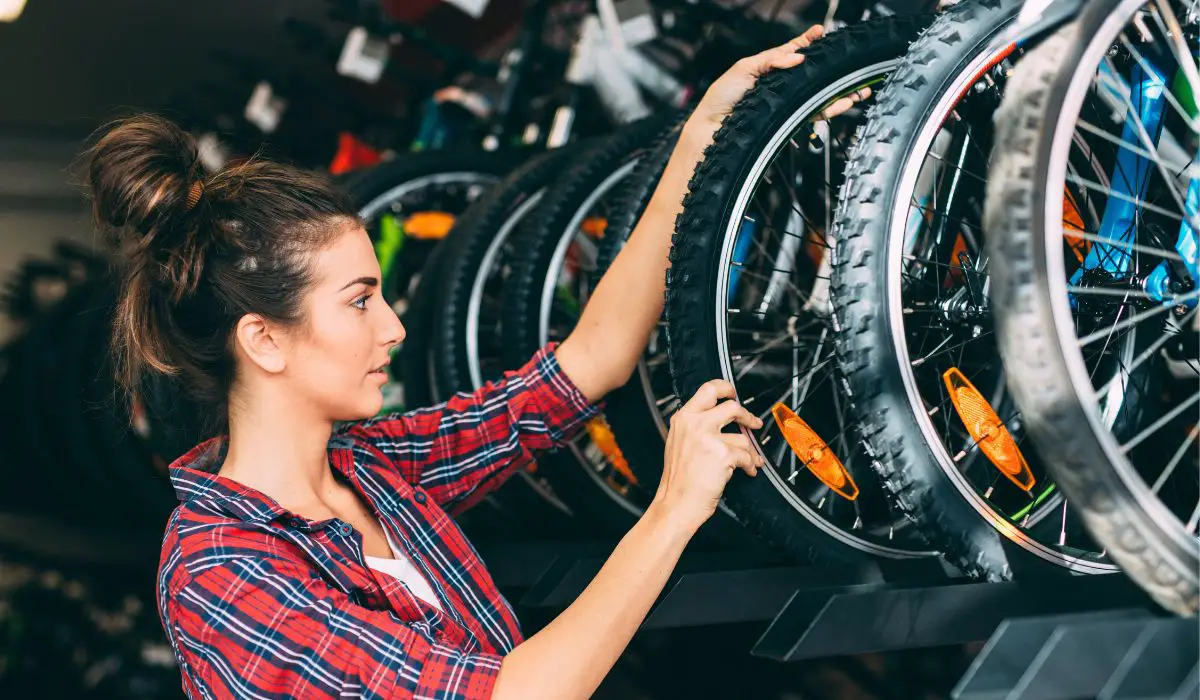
(396, 332)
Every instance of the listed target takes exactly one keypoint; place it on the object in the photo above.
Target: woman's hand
(700, 459)
(603, 350)
(727, 90)
(569, 657)
(731, 87)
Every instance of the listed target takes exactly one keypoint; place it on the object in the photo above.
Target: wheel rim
(867, 523)
(1163, 480)
(487, 281)
(488, 276)
(1024, 517)
(375, 206)
(618, 484)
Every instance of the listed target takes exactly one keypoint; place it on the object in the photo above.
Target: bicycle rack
(1045, 637)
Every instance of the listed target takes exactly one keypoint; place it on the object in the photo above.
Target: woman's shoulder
(199, 537)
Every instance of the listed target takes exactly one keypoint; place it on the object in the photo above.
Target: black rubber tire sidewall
(866, 355)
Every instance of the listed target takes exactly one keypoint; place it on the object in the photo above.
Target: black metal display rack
(1047, 637)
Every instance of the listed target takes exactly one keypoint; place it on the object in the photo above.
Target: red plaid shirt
(260, 602)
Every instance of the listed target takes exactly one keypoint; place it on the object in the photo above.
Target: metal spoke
(1105, 292)
(1168, 180)
(1149, 250)
(1101, 393)
(1097, 187)
(951, 219)
(1194, 520)
(936, 351)
(1170, 25)
(790, 285)
(812, 238)
(1175, 460)
(786, 380)
(1087, 126)
(738, 357)
(952, 166)
(1168, 304)
(798, 397)
(1156, 425)
(1137, 55)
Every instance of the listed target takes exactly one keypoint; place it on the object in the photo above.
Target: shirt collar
(195, 480)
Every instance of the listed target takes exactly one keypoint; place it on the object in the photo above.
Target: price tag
(637, 21)
(364, 57)
(474, 8)
(265, 109)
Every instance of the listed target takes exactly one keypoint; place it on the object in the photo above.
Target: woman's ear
(258, 341)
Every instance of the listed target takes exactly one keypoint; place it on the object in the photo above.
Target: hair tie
(194, 193)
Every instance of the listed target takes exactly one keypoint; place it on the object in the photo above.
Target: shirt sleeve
(466, 447)
(264, 627)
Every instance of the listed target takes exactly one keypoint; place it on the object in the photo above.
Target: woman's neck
(278, 450)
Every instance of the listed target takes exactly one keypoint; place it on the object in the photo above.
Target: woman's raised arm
(602, 351)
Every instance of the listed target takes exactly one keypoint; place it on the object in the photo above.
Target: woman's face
(338, 358)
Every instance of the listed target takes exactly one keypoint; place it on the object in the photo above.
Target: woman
(305, 561)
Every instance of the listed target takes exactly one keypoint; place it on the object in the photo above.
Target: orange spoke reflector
(815, 454)
(594, 226)
(1073, 224)
(815, 246)
(606, 442)
(955, 274)
(987, 430)
(429, 225)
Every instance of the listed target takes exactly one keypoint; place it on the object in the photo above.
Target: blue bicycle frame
(1149, 87)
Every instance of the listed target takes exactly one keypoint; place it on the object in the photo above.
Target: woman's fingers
(808, 37)
(805, 40)
(842, 104)
(734, 412)
(742, 457)
(787, 55)
(742, 443)
(707, 396)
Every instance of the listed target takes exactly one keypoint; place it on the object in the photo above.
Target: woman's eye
(361, 302)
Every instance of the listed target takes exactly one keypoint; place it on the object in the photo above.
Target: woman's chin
(368, 407)
(373, 407)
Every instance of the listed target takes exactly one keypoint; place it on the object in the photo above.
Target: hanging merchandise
(364, 57)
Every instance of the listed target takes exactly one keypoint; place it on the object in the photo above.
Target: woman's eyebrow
(369, 281)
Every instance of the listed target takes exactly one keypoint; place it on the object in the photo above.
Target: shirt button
(345, 529)
(419, 497)
(297, 522)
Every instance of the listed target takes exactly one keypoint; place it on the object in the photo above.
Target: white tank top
(402, 569)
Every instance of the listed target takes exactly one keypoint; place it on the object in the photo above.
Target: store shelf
(1047, 637)
(1112, 655)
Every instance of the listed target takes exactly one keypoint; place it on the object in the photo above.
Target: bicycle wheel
(1115, 88)
(465, 346)
(545, 293)
(915, 339)
(747, 298)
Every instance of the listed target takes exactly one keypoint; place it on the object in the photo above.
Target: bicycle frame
(1150, 90)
